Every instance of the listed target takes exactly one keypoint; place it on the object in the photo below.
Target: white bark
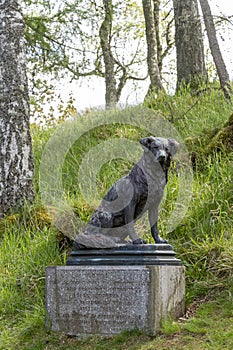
(16, 162)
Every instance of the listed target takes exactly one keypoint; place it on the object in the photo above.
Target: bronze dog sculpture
(141, 190)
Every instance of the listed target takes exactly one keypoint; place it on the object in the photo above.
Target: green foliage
(203, 241)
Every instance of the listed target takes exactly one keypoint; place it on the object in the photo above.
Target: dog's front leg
(153, 217)
(129, 221)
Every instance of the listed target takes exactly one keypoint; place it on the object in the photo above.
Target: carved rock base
(105, 300)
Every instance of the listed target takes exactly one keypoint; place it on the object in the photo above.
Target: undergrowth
(203, 240)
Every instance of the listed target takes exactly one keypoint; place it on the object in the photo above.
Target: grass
(203, 240)
(210, 328)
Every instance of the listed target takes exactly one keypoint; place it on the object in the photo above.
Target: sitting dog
(141, 190)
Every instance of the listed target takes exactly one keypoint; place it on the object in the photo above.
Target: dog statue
(139, 191)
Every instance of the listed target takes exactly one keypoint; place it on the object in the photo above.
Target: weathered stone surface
(82, 300)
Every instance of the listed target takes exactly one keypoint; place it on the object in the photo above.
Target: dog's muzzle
(161, 157)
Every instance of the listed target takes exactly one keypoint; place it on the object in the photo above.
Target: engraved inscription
(102, 300)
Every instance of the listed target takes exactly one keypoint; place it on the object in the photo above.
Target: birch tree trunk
(191, 68)
(152, 61)
(111, 96)
(16, 161)
(215, 50)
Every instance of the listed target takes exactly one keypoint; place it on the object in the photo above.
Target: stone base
(105, 300)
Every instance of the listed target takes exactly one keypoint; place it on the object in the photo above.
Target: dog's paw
(160, 240)
(139, 241)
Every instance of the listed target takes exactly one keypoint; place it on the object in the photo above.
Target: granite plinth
(142, 254)
(105, 300)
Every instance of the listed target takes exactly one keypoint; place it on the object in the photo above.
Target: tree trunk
(159, 48)
(152, 61)
(16, 161)
(215, 50)
(189, 44)
(111, 95)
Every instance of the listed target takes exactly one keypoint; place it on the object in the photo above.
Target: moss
(210, 142)
(223, 140)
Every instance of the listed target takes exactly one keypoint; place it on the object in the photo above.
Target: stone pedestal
(103, 299)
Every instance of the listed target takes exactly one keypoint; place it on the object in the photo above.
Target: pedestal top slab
(129, 254)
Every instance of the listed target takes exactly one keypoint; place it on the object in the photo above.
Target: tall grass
(205, 238)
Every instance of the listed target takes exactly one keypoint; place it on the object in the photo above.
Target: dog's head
(161, 149)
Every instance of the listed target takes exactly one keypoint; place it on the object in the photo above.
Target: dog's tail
(94, 241)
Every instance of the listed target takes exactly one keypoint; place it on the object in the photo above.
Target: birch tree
(16, 160)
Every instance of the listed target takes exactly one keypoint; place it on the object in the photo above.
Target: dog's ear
(173, 146)
(146, 142)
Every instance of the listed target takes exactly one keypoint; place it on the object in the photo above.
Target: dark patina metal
(130, 254)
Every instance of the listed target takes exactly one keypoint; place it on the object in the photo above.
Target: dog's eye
(166, 149)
